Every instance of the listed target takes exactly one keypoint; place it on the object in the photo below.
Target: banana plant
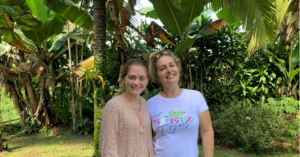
(289, 69)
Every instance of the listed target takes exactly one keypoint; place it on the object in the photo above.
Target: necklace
(139, 116)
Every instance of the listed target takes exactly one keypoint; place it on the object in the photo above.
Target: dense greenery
(251, 129)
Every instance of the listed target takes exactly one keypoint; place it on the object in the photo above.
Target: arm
(207, 133)
(108, 139)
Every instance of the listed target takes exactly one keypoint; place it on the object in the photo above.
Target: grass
(7, 108)
(53, 146)
(82, 146)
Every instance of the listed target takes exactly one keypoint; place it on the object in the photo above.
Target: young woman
(125, 123)
(176, 114)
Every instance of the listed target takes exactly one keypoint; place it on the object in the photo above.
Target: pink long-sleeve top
(125, 132)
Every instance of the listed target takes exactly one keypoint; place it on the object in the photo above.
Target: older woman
(125, 124)
(176, 113)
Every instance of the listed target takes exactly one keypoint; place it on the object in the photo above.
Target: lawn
(53, 146)
(7, 108)
(80, 145)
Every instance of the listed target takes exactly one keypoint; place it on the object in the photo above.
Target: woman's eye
(142, 79)
(171, 65)
(162, 69)
(131, 78)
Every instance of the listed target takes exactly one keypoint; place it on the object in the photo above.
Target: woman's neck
(171, 92)
(130, 98)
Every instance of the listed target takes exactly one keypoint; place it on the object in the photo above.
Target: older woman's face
(167, 70)
(136, 80)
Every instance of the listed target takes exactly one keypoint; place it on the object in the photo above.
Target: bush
(251, 129)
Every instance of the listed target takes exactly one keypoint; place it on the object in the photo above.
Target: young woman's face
(167, 70)
(136, 80)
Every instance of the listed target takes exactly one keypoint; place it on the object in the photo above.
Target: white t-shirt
(176, 124)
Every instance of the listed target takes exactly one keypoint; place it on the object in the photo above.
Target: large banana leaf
(70, 11)
(12, 2)
(54, 25)
(170, 16)
(191, 9)
(15, 40)
(36, 34)
(38, 9)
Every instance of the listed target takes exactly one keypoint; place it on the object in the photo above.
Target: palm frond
(258, 18)
(282, 8)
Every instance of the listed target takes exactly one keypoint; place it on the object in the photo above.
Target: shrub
(251, 129)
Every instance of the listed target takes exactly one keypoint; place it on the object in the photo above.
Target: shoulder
(113, 103)
(153, 99)
(190, 91)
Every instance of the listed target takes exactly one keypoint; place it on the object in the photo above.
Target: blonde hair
(153, 61)
(124, 71)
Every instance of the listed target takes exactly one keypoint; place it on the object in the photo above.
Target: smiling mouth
(171, 76)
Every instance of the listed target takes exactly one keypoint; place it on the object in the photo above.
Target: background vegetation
(60, 70)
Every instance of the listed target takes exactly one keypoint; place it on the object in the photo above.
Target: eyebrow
(165, 65)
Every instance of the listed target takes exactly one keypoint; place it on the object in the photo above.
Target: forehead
(137, 70)
(165, 59)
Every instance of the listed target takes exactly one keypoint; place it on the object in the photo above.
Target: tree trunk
(100, 57)
(18, 102)
(28, 86)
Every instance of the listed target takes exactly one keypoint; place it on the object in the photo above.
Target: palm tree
(99, 28)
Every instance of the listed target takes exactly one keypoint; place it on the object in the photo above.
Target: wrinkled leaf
(155, 31)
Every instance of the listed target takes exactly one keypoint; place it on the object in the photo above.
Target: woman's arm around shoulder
(108, 139)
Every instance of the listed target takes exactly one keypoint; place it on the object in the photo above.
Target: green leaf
(3, 22)
(141, 47)
(38, 9)
(170, 16)
(293, 57)
(70, 11)
(183, 46)
(13, 11)
(230, 19)
(36, 34)
(148, 12)
(281, 68)
(293, 74)
(115, 36)
(11, 2)
(191, 9)
(22, 27)
(59, 41)
(54, 25)
(8, 36)
(76, 36)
